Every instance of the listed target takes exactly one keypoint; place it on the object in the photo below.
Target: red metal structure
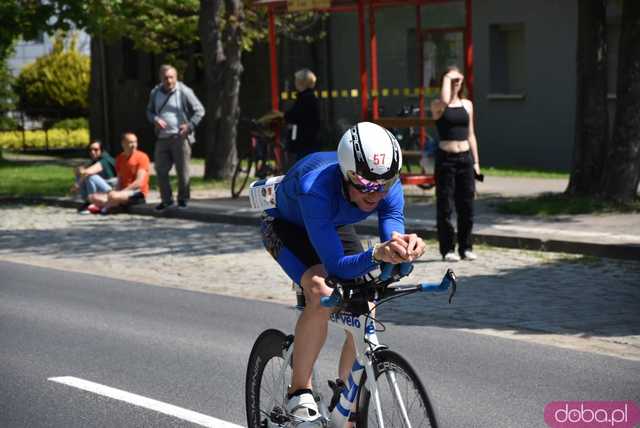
(360, 6)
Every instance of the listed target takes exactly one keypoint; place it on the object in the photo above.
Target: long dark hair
(462, 93)
(98, 142)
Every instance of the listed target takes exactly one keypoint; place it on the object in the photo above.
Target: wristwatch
(373, 254)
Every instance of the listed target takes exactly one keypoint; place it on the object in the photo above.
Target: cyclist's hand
(415, 246)
(399, 249)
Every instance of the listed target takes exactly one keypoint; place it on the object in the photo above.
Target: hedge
(58, 139)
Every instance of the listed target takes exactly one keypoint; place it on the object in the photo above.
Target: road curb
(245, 218)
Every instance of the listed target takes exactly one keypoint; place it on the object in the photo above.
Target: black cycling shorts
(290, 246)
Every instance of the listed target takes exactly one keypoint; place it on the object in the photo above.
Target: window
(440, 49)
(507, 56)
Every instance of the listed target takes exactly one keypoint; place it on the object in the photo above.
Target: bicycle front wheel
(241, 175)
(403, 399)
(267, 380)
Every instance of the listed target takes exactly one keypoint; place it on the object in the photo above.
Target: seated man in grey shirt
(175, 111)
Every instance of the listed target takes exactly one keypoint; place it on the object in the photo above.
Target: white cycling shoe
(304, 409)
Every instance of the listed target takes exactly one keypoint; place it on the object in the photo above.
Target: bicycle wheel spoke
(398, 397)
(272, 388)
(266, 379)
(402, 398)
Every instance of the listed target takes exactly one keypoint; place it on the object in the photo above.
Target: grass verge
(28, 179)
(524, 173)
(550, 204)
(34, 179)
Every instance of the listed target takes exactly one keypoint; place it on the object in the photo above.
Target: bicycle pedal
(337, 388)
(278, 416)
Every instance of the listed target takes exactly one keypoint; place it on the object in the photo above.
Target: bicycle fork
(349, 393)
(365, 360)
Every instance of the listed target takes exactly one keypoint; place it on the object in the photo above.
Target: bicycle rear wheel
(266, 389)
(402, 395)
(241, 175)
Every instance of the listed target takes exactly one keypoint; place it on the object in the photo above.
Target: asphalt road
(189, 349)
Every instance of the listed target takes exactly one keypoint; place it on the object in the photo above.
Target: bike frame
(363, 330)
(364, 327)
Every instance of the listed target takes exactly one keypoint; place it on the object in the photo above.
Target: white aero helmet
(369, 157)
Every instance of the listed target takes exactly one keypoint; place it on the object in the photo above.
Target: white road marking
(139, 400)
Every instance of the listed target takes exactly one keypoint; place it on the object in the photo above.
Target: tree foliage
(171, 28)
(27, 19)
(7, 96)
(57, 82)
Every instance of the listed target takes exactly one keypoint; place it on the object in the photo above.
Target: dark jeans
(455, 184)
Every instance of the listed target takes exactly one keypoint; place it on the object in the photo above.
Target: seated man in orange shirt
(132, 167)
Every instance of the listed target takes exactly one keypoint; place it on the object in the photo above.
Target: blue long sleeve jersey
(311, 195)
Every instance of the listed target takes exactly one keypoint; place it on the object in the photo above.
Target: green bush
(57, 82)
(58, 139)
(8, 123)
(77, 123)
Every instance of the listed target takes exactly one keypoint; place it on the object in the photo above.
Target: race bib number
(262, 193)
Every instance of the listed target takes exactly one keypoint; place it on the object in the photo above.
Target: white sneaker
(469, 255)
(451, 257)
(304, 408)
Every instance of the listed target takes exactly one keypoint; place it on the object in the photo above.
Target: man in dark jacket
(304, 117)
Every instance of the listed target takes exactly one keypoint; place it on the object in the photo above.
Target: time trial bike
(382, 390)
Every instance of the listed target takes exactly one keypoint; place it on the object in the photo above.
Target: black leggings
(455, 185)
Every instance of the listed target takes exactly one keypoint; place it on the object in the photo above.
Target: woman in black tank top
(457, 165)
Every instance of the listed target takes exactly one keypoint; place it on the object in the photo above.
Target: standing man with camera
(175, 111)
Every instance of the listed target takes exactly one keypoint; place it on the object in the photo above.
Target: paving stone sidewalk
(585, 303)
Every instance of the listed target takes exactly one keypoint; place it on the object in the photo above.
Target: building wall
(538, 130)
(398, 52)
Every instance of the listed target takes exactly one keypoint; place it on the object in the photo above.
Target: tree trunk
(213, 58)
(592, 118)
(622, 167)
(97, 123)
(227, 154)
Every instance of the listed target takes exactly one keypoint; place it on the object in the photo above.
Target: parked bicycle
(408, 138)
(418, 163)
(263, 155)
(383, 389)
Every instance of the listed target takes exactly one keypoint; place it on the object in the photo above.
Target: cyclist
(310, 234)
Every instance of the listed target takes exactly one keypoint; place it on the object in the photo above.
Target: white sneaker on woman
(469, 255)
(451, 257)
